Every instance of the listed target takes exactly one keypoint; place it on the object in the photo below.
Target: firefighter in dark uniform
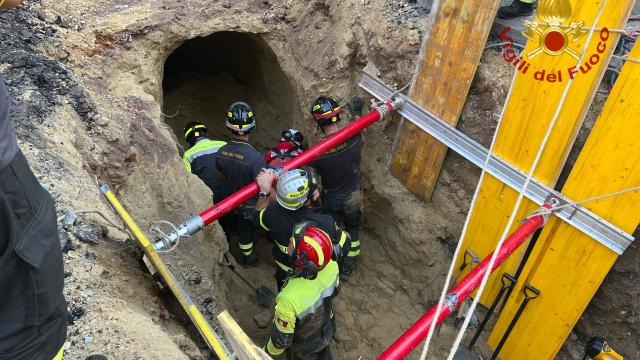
(200, 160)
(296, 193)
(339, 169)
(239, 164)
(303, 317)
(33, 311)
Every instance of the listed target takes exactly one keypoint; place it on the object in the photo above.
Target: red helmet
(310, 250)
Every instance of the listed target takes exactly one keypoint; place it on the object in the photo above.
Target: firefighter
(517, 8)
(303, 317)
(296, 192)
(289, 147)
(339, 169)
(199, 160)
(239, 164)
(33, 311)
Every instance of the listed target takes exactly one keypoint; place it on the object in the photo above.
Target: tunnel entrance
(205, 75)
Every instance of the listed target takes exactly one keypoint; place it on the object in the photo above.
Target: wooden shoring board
(243, 347)
(569, 266)
(526, 119)
(450, 54)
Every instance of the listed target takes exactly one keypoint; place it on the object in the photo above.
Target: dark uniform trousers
(317, 345)
(33, 321)
(346, 210)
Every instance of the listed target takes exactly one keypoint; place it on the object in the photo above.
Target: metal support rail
(584, 220)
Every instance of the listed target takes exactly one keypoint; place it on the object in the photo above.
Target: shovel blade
(266, 297)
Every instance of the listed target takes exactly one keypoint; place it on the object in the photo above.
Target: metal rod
(418, 331)
(507, 283)
(516, 317)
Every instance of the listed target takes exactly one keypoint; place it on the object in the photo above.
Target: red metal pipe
(418, 331)
(228, 204)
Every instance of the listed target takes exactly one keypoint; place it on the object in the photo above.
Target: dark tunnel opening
(205, 75)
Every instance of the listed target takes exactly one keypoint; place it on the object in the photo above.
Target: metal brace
(579, 217)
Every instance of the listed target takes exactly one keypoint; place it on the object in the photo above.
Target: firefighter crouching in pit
(239, 164)
(289, 147)
(33, 311)
(296, 192)
(304, 318)
(339, 169)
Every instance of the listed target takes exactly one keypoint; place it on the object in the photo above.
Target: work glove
(355, 106)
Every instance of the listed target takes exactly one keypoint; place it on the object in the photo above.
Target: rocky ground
(86, 78)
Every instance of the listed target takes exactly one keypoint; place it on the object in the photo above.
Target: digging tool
(472, 259)
(598, 349)
(530, 293)
(266, 297)
(507, 283)
(418, 331)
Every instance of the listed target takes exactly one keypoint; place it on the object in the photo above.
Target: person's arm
(186, 162)
(285, 322)
(265, 183)
(8, 4)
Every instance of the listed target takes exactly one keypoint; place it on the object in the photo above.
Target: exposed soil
(91, 81)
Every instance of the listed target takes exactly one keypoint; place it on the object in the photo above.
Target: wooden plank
(243, 347)
(568, 265)
(449, 57)
(527, 117)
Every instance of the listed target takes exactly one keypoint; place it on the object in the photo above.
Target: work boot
(251, 260)
(348, 267)
(516, 9)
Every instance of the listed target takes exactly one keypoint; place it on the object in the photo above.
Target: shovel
(266, 297)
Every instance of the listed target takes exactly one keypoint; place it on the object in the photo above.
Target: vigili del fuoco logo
(553, 36)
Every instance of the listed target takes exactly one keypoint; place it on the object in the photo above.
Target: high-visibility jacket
(303, 312)
(200, 160)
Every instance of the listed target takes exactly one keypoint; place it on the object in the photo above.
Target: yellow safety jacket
(200, 160)
(202, 147)
(303, 308)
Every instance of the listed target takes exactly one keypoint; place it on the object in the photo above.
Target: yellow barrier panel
(568, 265)
(213, 341)
(538, 88)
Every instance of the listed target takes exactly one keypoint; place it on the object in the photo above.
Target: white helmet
(295, 187)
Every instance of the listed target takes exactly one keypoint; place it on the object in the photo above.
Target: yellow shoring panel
(527, 116)
(568, 265)
(208, 335)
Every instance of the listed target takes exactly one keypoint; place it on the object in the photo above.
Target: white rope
(425, 349)
(547, 211)
(492, 261)
(626, 58)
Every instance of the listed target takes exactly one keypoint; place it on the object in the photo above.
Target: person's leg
(247, 234)
(332, 206)
(280, 276)
(516, 9)
(352, 215)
